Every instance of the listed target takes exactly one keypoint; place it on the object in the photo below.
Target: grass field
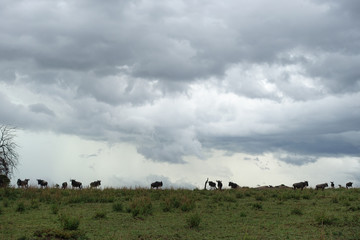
(179, 214)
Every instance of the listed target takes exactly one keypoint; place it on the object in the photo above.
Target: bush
(117, 207)
(194, 221)
(20, 207)
(296, 211)
(141, 206)
(325, 219)
(100, 215)
(69, 223)
(257, 206)
(54, 209)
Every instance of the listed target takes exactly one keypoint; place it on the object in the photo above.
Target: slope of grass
(179, 214)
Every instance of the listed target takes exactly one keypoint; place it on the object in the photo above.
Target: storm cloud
(182, 78)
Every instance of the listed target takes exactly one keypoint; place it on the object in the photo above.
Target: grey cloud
(41, 108)
(109, 66)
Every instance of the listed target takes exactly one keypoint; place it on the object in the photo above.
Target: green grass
(179, 214)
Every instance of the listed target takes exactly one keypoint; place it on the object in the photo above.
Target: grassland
(179, 214)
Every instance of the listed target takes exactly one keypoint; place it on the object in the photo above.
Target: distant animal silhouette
(300, 185)
(156, 184)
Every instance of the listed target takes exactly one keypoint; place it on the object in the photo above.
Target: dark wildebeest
(349, 184)
(24, 183)
(156, 184)
(219, 184)
(75, 184)
(300, 185)
(212, 184)
(95, 184)
(321, 186)
(332, 184)
(340, 186)
(64, 185)
(42, 183)
(57, 185)
(233, 185)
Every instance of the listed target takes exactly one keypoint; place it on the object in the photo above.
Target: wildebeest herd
(158, 184)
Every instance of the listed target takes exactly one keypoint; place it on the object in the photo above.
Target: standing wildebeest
(64, 185)
(95, 184)
(42, 183)
(156, 184)
(219, 184)
(206, 182)
(300, 185)
(75, 184)
(24, 183)
(349, 184)
(233, 185)
(332, 184)
(212, 184)
(321, 186)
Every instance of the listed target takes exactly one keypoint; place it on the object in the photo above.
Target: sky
(129, 92)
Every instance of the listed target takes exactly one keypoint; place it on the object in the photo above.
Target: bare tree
(8, 155)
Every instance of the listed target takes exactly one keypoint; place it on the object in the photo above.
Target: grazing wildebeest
(349, 184)
(219, 184)
(233, 185)
(75, 184)
(321, 186)
(212, 184)
(42, 183)
(340, 186)
(332, 184)
(300, 185)
(95, 184)
(57, 185)
(24, 183)
(64, 185)
(156, 184)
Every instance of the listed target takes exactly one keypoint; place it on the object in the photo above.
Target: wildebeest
(282, 186)
(57, 185)
(321, 186)
(75, 184)
(95, 184)
(42, 183)
(219, 184)
(233, 185)
(24, 183)
(332, 184)
(212, 184)
(64, 185)
(156, 184)
(300, 185)
(349, 184)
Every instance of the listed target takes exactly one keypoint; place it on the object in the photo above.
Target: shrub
(117, 207)
(194, 220)
(20, 207)
(69, 223)
(296, 211)
(100, 215)
(325, 219)
(141, 206)
(54, 209)
(257, 206)
(59, 234)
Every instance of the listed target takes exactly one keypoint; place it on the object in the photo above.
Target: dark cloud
(177, 78)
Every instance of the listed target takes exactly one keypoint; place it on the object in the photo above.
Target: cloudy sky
(256, 92)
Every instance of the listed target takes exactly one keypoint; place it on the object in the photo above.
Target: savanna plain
(243, 213)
